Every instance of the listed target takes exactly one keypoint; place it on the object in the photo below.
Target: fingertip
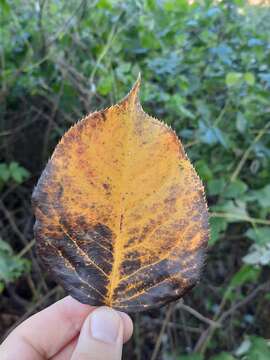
(102, 335)
(128, 325)
(70, 304)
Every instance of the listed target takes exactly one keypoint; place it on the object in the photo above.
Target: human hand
(69, 330)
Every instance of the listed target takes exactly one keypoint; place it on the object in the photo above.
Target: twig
(65, 26)
(185, 332)
(163, 328)
(50, 122)
(21, 127)
(41, 6)
(206, 336)
(174, 325)
(24, 241)
(245, 301)
(222, 113)
(240, 218)
(247, 152)
(103, 53)
(26, 248)
(13, 223)
(192, 143)
(198, 315)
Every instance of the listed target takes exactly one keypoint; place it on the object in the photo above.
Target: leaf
(17, 172)
(5, 6)
(212, 135)
(235, 189)
(216, 186)
(236, 210)
(121, 217)
(11, 267)
(263, 196)
(244, 347)
(217, 226)
(259, 349)
(241, 123)
(260, 235)
(258, 255)
(232, 78)
(4, 172)
(221, 137)
(204, 171)
(265, 78)
(245, 274)
(105, 85)
(249, 78)
(255, 42)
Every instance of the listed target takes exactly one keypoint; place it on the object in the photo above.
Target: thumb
(101, 336)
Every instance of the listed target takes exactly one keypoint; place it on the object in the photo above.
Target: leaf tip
(133, 94)
(132, 97)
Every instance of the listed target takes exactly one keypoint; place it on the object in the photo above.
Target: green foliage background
(206, 72)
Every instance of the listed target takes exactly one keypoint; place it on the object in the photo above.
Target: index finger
(47, 332)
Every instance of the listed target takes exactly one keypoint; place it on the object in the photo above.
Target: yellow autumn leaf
(121, 217)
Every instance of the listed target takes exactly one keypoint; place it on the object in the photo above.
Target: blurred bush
(206, 72)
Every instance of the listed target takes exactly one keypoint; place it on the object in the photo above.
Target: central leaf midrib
(119, 238)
